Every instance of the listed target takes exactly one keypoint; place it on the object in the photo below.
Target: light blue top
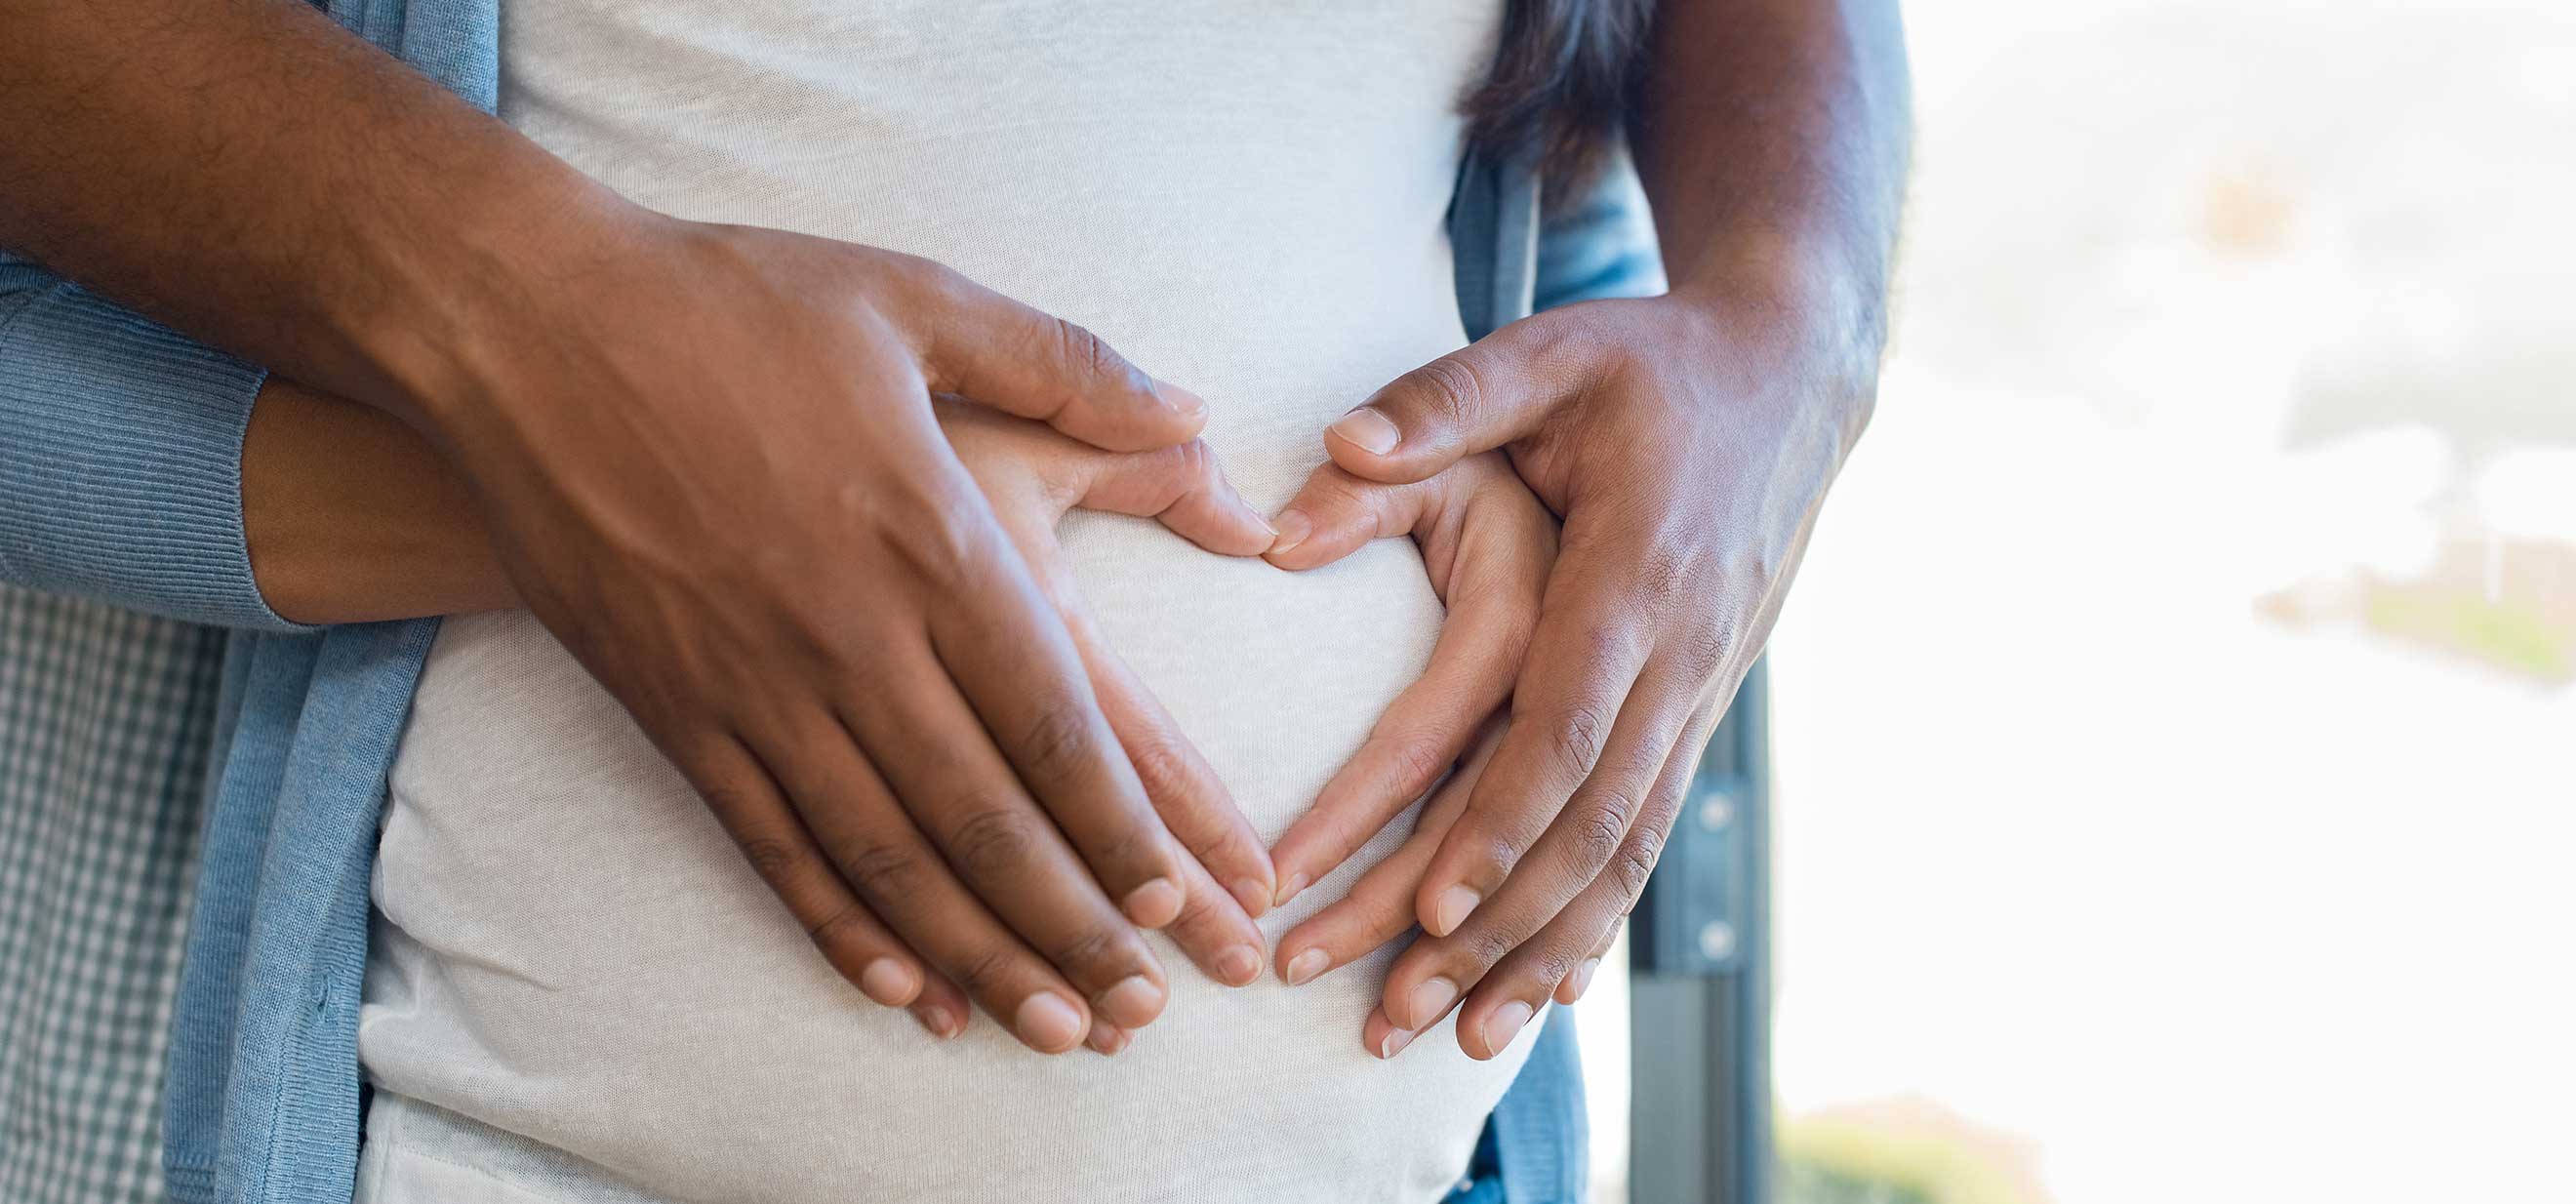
(120, 479)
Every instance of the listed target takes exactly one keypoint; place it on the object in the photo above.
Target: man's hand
(1032, 475)
(1687, 442)
(710, 464)
(1688, 461)
(706, 457)
(353, 518)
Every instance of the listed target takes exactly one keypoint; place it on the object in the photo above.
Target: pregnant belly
(574, 953)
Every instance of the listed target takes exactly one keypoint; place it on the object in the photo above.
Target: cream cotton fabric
(581, 993)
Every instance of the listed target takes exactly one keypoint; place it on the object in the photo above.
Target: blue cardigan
(120, 479)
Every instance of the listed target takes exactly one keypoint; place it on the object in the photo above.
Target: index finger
(1493, 605)
(1589, 649)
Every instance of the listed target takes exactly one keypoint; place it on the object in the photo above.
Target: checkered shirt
(105, 718)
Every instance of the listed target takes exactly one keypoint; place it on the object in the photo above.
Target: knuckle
(1486, 946)
(1194, 466)
(1600, 833)
(1581, 729)
(1551, 965)
(1636, 861)
(1451, 385)
(1606, 641)
(1499, 855)
(922, 276)
(918, 285)
(1197, 909)
(1415, 761)
(770, 857)
(1664, 565)
(1057, 740)
(1127, 849)
(1699, 656)
(842, 921)
(992, 843)
(1091, 951)
(945, 546)
(982, 974)
(1088, 357)
(1161, 768)
(878, 871)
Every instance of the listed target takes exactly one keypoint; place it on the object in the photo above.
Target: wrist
(506, 265)
(1798, 315)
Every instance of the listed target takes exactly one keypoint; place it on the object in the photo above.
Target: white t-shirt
(579, 990)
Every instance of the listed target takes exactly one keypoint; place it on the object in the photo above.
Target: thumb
(993, 351)
(1471, 400)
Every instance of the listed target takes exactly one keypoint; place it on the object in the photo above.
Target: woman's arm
(351, 516)
(120, 453)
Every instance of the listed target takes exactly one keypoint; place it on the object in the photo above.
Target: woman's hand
(1489, 547)
(1688, 446)
(355, 518)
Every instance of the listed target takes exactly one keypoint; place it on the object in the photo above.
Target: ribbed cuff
(120, 463)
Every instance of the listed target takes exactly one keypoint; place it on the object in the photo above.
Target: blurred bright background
(2175, 720)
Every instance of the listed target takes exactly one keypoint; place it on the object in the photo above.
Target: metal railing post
(1700, 1000)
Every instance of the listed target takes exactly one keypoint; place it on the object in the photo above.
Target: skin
(1489, 547)
(357, 518)
(555, 346)
(621, 395)
(1687, 441)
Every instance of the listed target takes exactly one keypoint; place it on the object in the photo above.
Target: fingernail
(941, 1022)
(1505, 1024)
(1451, 909)
(1432, 998)
(1106, 1038)
(1583, 977)
(1303, 968)
(1240, 965)
(1255, 900)
(1153, 904)
(1293, 527)
(1393, 1042)
(1182, 401)
(1046, 1021)
(1134, 1002)
(888, 981)
(1288, 890)
(1368, 429)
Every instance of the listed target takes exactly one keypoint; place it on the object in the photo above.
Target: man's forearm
(252, 174)
(1772, 137)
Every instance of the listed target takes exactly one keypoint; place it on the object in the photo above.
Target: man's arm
(1773, 137)
(706, 456)
(1688, 441)
(248, 172)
